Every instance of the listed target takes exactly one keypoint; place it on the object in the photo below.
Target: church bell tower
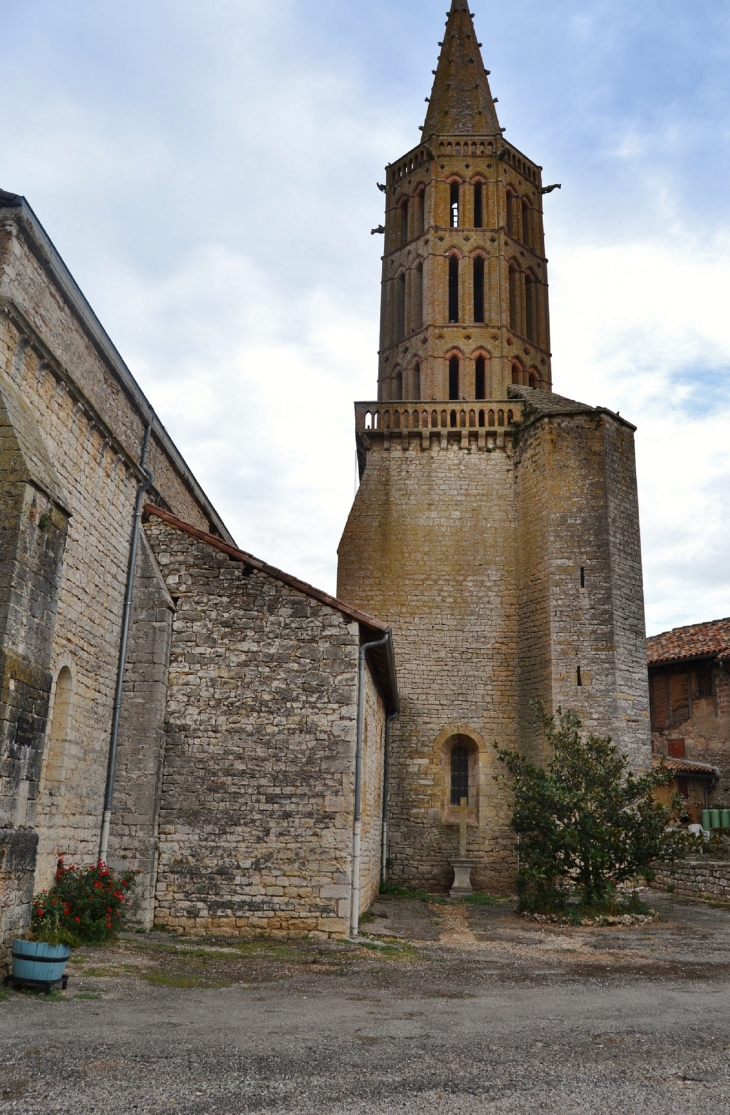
(496, 526)
(465, 295)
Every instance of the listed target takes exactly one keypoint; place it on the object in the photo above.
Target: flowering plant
(87, 903)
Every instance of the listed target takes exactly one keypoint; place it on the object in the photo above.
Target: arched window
(417, 297)
(400, 307)
(416, 382)
(531, 297)
(526, 224)
(419, 206)
(479, 289)
(453, 288)
(514, 308)
(510, 214)
(454, 377)
(478, 205)
(480, 378)
(398, 385)
(403, 223)
(533, 379)
(516, 374)
(58, 737)
(454, 205)
(459, 774)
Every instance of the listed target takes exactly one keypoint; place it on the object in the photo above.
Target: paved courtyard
(465, 1009)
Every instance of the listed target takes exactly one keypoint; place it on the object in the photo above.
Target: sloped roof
(383, 658)
(461, 101)
(694, 641)
(686, 766)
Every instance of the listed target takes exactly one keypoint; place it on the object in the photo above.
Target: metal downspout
(123, 642)
(386, 786)
(355, 888)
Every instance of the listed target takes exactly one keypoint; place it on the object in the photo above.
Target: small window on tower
(480, 379)
(416, 382)
(453, 288)
(479, 205)
(454, 377)
(454, 205)
(419, 206)
(403, 218)
(514, 312)
(479, 289)
(510, 214)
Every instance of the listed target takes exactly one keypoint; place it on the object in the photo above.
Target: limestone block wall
(582, 632)
(141, 744)
(256, 814)
(696, 878)
(429, 548)
(89, 416)
(33, 525)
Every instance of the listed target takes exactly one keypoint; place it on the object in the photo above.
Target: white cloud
(642, 328)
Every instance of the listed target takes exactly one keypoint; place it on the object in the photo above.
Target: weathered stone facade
(689, 678)
(496, 526)
(72, 421)
(696, 878)
(256, 812)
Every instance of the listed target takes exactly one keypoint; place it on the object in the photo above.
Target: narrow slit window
(479, 205)
(416, 382)
(459, 774)
(479, 289)
(510, 215)
(400, 307)
(514, 317)
(530, 309)
(454, 205)
(453, 288)
(403, 224)
(578, 678)
(480, 378)
(454, 378)
(526, 224)
(419, 207)
(582, 577)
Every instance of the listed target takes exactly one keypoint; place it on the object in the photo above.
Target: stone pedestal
(462, 877)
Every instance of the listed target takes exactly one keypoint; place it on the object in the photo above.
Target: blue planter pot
(36, 963)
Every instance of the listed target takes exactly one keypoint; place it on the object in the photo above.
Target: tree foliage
(585, 821)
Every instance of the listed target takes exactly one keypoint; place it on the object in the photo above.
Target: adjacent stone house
(689, 683)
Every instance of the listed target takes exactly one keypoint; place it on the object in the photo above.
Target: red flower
(77, 919)
(39, 912)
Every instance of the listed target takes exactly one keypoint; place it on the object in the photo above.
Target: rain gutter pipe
(386, 786)
(123, 643)
(356, 828)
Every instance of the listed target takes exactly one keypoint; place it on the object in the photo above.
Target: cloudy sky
(208, 172)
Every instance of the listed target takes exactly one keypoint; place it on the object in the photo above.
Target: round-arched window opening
(459, 774)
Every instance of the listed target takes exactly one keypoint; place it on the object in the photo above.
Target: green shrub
(85, 905)
(585, 822)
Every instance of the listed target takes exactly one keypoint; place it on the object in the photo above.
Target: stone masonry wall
(141, 746)
(429, 549)
(706, 737)
(91, 430)
(257, 800)
(33, 525)
(696, 878)
(577, 509)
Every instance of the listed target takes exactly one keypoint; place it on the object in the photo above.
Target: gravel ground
(464, 1009)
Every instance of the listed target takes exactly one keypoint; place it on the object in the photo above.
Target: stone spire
(461, 100)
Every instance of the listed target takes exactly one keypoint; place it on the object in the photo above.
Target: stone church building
(170, 702)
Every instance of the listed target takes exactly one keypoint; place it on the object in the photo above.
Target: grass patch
(478, 898)
(185, 983)
(93, 996)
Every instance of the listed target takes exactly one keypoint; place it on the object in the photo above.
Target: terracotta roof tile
(698, 639)
(686, 766)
